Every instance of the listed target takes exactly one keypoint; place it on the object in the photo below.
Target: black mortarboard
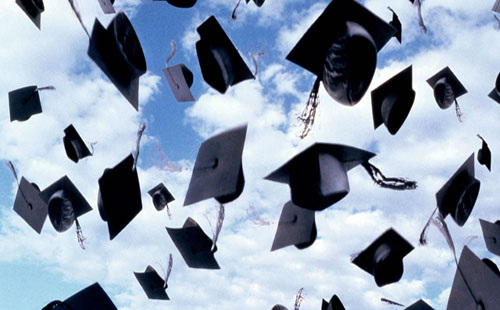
(333, 304)
(384, 257)
(23, 103)
(118, 52)
(296, 227)
(392, 101)
(259, 3)
(419, 305)
(475, 286)
(91, 298)
(484, 154)
(107, 6)
(396, 23)
(181, 3)
(152, 284)
(119, 198)
(495, 92)
(318, 175)
(458, 195)
(32, 8)
(194, 245)
(65, 203)
(447, 87)
(220, 63)
(491, 234)
(161, 196)
(180, 79)
(30, 206)
(218, 170)
(496, 6)
(74, 145)
(341, 47)
(279, 307)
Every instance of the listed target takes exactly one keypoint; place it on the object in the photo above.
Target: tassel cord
(79, 234)
(74, 7)
(233, 15)
(388, 182)
(11, 167)
(298, 299)
(172, 54)
(390, 302)
(142, 127)
(308, 115)
(420, 19)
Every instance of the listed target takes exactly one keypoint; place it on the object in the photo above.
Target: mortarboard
(220, 63)
(484, 154)
(180, 79)
(475, 285)
(496, 6)
(119, 198)
(118, 52)
(447, 88)
(30, 206)
(491, 234)
(74, 145)
(296, 227)
(181, 3)
(458, 195)
(194, 245)
(419, 305)
(152, 284)
(384, 257)
(392, 101)
(107, 6)
(161, 196)
(333, 304)
(218, 170)
(32, 8)
(91, 298)
(279, 307)
(259, 3)
(495, 92)
(23, 103)
(396, 23)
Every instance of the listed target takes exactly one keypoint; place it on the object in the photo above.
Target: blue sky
(430, 146)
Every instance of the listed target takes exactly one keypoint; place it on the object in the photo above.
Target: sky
(430, 146)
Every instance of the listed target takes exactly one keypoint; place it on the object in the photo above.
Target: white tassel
(142, 127)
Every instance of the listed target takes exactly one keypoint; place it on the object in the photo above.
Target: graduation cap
(180, 79)
(107, 6)
(491, 234)
(24, 102)
(495, 92)
(259, 3)
(296, 227)
(396, 24)
(119, 198)
(91, 298)
(475, 285)
(181, 3)
(74, 145)
(161, 196)
(419, 305)
(220, 63)
(484, 154)
(447, 88)
(218, 170)
(392, 101)
(333, 304)
(152, 284)
(458, 195)
(118, 52)
(194, 245)
(30, 206)
(32, 8)
(384, 257)
(318, 175)
(279, 307)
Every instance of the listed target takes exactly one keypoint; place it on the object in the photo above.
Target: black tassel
(168, 213)
(298, 299)
(255, 56)
(385, 182)
(309, 113)
(457, 111)
(169, 269)
(233, 16)
(390, 302)
(420, 19)
(79, 234)
(423, 235)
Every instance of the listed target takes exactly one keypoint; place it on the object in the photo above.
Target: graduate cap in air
(296, 226)
(419, 305)
(194, 245)
(384, 257)
(475, 286)
(279, 307)
(443, 82)
(392, 101)
(29, 206)
(107, 6)
(32, 8)
(495, 92)
(333, 304)
(74, 145)
(119, 198)
(220, 63)
(152, 284)
(118, 52)
(218, 170)
(458, 195)
(259, 3)
(23, 103)
(180, 79)
(91, 298)
(484, 154)
(491, 234)
(161, 196)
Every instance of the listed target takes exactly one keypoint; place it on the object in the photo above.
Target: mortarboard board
(419, 305)
(491, 234)
(384, 257)
(23, 103)
(194, 245)
(119, 198)
(496, 6)
(74, 145)
(279, 307)
(447, 87)
(118, 52)
(30, 206)
(495, 92)
(218, 170)
(220, 63)
(475, 285)
(484, 154)
(333, 304)
(458, 195)
(392, 101)
(396, 23)
(32, 8)
(296, 227)
(91, 298)
(180, 79)
(161, 196)
(107, 6)
(152, 284)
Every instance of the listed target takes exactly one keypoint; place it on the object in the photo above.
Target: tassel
(168, 213)
(233, 16)
(142, 127)
(385, 182)
(169, 269)
(457, 111)
(470, 239)
(298, 299)
(309, 113)
(218, 226)
(74, 6)
(390, 302)
(255, 56)
(92, 144)
(257, 219)
(11, 167)
(439, 222)
(79, 234)
(174, 49)
(420, 19)
(423, 235)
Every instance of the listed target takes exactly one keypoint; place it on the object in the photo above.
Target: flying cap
(333, 304)
(119, 198)
(30, 206)
(220, 63)
(107, 6)
(194, 245)
(447, 87)
(392, 101)
(419, 305)
(484, 154)
(91, 298)
(218, 170)
(495, 92)
(384, 257)
(32, 8)
(458, 195)
(161, 196)
(118, 52)
(279, 307)
(23, 103)
(296, 227)
(180, 79)
(475, 285)
(152, 284)
(491, 234)
(74, 145)
(259, 3)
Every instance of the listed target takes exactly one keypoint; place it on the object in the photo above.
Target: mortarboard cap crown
(74, 145)
(296, 227)
(161, 196)
(419, 305)
(152, 284)
(23, 103)
(447, 87)
(29, 206)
